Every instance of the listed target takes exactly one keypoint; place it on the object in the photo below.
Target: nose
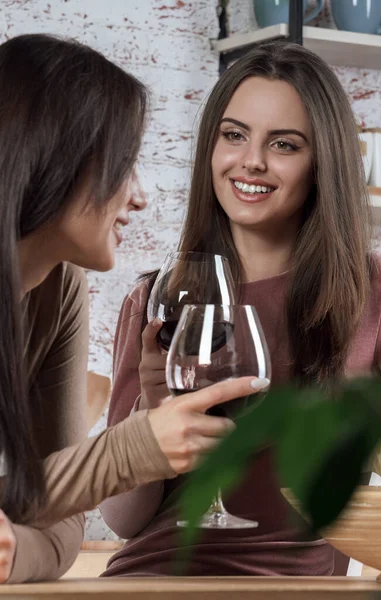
(138, 199)
(254, 157)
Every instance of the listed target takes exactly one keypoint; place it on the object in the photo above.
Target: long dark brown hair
(67, 116)
(331, 264)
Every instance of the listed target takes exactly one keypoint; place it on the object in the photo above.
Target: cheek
(223, 159)
(298, 176)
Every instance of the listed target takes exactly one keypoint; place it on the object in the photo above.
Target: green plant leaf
(306, 439)
(334, 482)
(321, 446)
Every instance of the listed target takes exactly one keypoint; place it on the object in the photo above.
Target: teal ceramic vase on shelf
(360, 16)
(272, 12)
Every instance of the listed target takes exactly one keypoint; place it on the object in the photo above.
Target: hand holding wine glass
(153, 384)
(182, 429)
(185, 277)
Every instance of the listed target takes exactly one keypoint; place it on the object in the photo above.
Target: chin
(101, 264)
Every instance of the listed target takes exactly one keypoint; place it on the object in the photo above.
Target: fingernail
(156, 322)
(260, 383)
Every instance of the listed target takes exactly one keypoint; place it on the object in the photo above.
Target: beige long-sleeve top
(79, 472)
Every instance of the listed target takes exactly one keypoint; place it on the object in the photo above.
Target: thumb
(150, 345)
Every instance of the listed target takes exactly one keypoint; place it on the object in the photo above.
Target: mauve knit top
(281, 545)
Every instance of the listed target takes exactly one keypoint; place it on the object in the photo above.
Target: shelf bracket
(295, 30)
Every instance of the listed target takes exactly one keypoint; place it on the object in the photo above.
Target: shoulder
(74, 284)
(136, 300)
(66, 288)
(64, 283)
(140, 292)
(57, 311)
(132, 315)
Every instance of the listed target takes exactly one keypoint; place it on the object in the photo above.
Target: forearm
(128, 513)
(45, 555)
(81, 477)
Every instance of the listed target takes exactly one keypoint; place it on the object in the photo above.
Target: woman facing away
(278, 188)
(71, 124)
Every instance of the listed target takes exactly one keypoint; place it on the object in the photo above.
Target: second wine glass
(188, 278)
(213, 343)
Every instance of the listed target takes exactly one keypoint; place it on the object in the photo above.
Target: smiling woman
(278, 189)
(71, 124)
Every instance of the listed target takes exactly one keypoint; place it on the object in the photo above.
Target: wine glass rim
(202, 305)
(179, 254)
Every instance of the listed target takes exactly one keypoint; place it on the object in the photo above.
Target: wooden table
(206, 588)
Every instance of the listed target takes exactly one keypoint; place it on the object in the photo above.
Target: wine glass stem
(217, 508)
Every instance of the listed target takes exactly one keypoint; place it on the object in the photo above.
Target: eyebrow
(272, 132)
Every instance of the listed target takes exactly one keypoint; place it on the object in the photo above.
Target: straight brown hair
(67, 115)
(331, 262)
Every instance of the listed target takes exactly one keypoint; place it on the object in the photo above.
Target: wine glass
(188, 278)
(213, 343)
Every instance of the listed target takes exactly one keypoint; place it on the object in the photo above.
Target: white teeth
(119, 226)
(252, 189)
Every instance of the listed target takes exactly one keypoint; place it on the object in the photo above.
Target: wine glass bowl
(187, 278)
(213, 343)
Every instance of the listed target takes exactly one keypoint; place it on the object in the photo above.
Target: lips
(251, 192)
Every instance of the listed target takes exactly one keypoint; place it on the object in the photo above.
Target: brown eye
(233, 136)
(284, 146)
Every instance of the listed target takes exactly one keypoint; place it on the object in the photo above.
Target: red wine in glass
(186, 278)
(195, 361)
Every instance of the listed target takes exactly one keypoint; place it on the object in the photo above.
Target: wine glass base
(220, 520)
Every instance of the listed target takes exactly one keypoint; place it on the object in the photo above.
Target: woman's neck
(263, 255)
(37, 258)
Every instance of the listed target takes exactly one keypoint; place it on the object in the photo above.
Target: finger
(212, 426)
(157, 395)
(226, 390)
(150, 344)
(155, 362)
(201, 444)
(5, 565)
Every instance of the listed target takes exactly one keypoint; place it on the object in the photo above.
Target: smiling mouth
(252, 189)
(118, 228)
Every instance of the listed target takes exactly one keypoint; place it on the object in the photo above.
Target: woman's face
(88, 237)
(262, 161)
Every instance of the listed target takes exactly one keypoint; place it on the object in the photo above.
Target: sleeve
(62, 377)
(48, 554)
(128, 513)
(78, 478)
(61, 385)
(127, 355)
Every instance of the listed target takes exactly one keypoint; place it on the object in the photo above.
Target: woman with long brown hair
(277, 188)
(71, 124)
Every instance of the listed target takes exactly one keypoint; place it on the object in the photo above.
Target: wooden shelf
(344, 48)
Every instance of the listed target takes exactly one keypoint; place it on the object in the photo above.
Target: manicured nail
(156, 322)
(260, 383)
